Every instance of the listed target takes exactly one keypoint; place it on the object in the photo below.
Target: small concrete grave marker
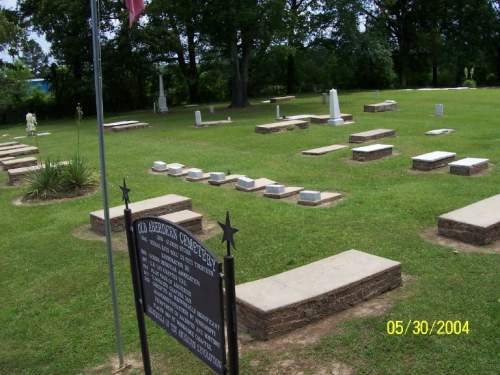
(159, 166)
(370, 135)
(371, 152)
(432, 160)
(196, 174)
(316, 198)
(197, 118)
(246, 184)
(468, 166)
(385, 106)
(176, 170)
(278, 114)
(439, 110)
(335, 115)
(439, 131)
(220, 178)
(277, 191)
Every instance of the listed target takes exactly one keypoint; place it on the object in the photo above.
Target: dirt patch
(301, 366)
(133, 366)
(433, 237)
(20, 201)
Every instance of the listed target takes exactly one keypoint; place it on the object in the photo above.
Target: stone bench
(248, 185)
(370, 135)
(477, 223)
(276, 191)
(190, 220)
(439, 131)
(18, 163)
(6, 144)
(323, 150)
(30, 150)
(432, 160)
(278, 99)
(316, 198)
(281, 303)
(468, 166)
(150, 207)
(323, 119)
(281, 126)
(121, 128)
(371, 152)
(381, 107)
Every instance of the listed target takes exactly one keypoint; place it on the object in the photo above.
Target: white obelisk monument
(162, 100)
(335, 117)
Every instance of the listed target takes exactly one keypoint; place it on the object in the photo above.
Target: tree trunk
(193, 81)
(291, 87)
(434, 74)
(239, 83)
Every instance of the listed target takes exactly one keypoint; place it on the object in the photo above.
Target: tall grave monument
(335, 116)
(162, 100)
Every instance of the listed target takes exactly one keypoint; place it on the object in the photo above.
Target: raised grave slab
(477, 223)
(371, 152)
(381, 107)
(323, 119)
(6, 144)
(121, 128)
(17, 175)
(150, 207)
(278, 99)
(281, 126)
(468, 166)
(439, 131)
(316, 198)
(280, 191)
(255, 185)
(6, 158)
(281, 303)
(19, 151)
(13, 147)
(119, 123)
(205, 124)
(190, 220)
(432, 160)
(19, 163)
(220, 178)
(370, 135)
(323, 150)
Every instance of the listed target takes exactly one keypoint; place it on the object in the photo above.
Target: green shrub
(469, 83)
(45, 183)
(78, 176)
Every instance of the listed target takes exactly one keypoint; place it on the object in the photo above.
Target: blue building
(39, 84)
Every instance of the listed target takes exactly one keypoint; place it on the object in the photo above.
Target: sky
(11, 4)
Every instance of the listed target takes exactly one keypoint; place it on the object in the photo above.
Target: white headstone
(439, 109)
(159, 165)
(175, 170)
(324, 97)
(162, 100)
(335, 116)
(195, 173)
(217, 176)
(278, 115)
(174, 166)
(246, 182)
(309, 195)
(275, 189)
(197, 118)
(211, 109)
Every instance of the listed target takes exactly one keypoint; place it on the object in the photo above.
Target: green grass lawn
(55, 305)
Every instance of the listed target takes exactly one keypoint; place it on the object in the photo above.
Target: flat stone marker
(278, 99)
(150, 207)
(371, 152)
(323, 150)
(432, 160)
(220, 178)
(177, 170)
(19, 163)
(121, 128)
(119, 123)
(244, 184)
(370, 135)
(281, 126)
(468, 166)
(12, 147)
(298, 117)
(281, 303)
(386, 106)
(6, 144)
(195, 174)
(323, 119)
(205, 124)
(316, 198)
(6, 158)
(439, 131)
(159, 166)
(17, 175)
(280, 191)
(19, 151)
(477, 223)
(190, 220)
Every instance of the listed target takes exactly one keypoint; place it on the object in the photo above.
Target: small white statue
(30, 123)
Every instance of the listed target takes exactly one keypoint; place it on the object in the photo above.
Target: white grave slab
(217, 176)
(439, 131)
(434, 156)
(372, 148)
(195, 173)
(468, 162)
(246, 182)
(275, 189)
(310, 195)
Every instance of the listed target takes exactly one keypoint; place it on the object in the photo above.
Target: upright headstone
(439, 110)
(278, 114)
(324, 97)
(197, 118)
(335, 116)
(162, 100)
(211, 109)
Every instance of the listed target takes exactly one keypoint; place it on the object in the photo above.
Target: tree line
(213, 50)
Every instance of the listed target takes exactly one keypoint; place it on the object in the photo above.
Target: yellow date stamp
(427, 327)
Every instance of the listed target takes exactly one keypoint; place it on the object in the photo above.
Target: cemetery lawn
(55, 309)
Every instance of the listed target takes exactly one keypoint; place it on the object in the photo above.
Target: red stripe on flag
(135, 8)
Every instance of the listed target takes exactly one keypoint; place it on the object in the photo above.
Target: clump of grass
(61, 180)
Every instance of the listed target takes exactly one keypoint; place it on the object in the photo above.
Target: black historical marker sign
(181, 288)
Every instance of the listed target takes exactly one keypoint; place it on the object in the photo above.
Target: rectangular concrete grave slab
(432, 160)
(205, 124)
(371, 152)
(281, 303)
(6, 158)
(190, 220)
(178, 171)
(298, 117)
(370, 135)
(281, 126)
(323, 119)
(468, 166)
(6, 144)
(19, 163)
(439, 131)
(17, 175)
(225, 180)
(381, 107)
(325, 197)
(246, 182)
(477, 223)
(323, 150)
(121, 128)
(288, 191)
(119, 123)
(13, 147)
(19, 151)
(259, 184)
(278, 99)
(149, 207)
(196, 174)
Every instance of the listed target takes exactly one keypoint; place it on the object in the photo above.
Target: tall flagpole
(96, 46)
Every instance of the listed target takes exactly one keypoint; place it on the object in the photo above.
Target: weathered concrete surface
(370, 135)
(371, 152)
(323, 150)
(468, 166)
(190, 220)
(281, 126)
